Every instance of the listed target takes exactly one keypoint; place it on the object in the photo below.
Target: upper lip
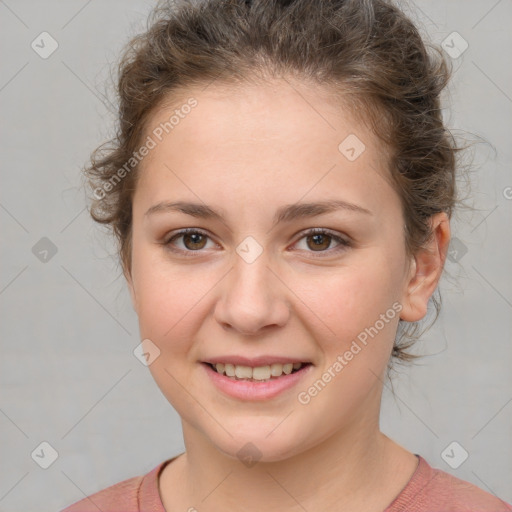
(264, 360)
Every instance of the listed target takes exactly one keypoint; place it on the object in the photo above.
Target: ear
(426, 269)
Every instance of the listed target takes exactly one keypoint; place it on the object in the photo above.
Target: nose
(253, 298)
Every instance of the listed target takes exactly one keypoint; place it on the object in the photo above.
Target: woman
(281, 189)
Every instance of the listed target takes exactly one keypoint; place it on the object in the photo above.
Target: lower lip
(254, 390)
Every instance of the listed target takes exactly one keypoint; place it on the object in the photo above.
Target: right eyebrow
(193, 209)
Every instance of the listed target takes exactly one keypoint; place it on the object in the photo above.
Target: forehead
(279, 109)
(279, 134)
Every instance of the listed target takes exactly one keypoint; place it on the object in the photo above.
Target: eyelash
(343, 243)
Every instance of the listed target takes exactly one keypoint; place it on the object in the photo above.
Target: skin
(246, 152)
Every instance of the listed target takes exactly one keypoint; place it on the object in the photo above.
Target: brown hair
(367, 51)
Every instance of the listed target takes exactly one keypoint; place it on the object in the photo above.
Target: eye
(317, 240)
(193, 240)
(320, 240)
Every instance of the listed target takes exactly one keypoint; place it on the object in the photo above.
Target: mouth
(263, 373)
(256, 383)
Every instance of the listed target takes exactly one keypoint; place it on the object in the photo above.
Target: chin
(252, 443)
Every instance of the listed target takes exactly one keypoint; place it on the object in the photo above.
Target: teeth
(243, 372)
(261, 373)
(276, 370)
(258, 372)
(230, 370)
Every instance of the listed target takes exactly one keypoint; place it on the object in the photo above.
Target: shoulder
(433, 489)
(125, 496)
(122, 496)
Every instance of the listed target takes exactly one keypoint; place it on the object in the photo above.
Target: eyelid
(184, 231)
(343, 243)
(181, 232)
(327, 231)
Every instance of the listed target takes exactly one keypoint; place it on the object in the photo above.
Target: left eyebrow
(286, 213)
(301, 210)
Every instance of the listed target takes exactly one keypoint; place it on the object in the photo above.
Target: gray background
(68, 374)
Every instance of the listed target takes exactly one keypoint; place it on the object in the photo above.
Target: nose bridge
(251, 297)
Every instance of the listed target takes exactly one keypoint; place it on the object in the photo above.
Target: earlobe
(426, 270)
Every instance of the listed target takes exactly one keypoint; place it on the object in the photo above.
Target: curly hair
(367, 52)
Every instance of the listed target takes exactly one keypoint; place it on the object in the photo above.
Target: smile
(256, 382)
(259, 373)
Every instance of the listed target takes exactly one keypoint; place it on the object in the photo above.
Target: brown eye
(319, 242)
(194, 241)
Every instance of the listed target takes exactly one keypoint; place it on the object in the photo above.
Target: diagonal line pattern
(88, 497)
(199, 403)
(488, 215)
(330, 125)
(291, 496)
(310, 189)
(102, 100)
(492, 81)
(73, 219)
(198, 301)
(501, 409)
(13, 279)
(492, 286)
(490, 490)
(416, 6)
(227, 227)
(111, 388)
(280, 423)
(378, 377)
(96, 300)
(211, 82)
(75, 15)
(14, 76)
(14, 423)
(13, 13)
(216, 487)
(486, 14)
(14, 485)
(333, 333)
(13, 217)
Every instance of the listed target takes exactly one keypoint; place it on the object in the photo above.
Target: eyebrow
(286, 213)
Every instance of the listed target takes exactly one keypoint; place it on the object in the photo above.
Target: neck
(354, 469)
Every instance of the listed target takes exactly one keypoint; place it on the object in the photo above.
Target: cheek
(361, 308)
(168, 299)
(168, 313)
(171, 301)
(353, 300)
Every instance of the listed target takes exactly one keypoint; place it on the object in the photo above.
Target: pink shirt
(428, 490)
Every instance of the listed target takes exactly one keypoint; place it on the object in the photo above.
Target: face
(261, 279)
